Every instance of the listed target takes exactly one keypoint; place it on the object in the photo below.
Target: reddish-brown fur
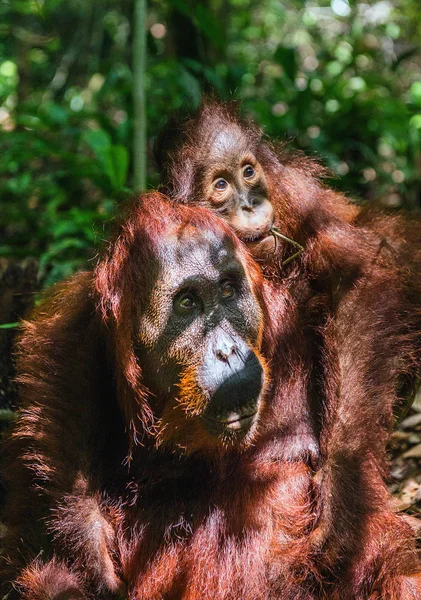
(355, 305)
(211, 522)
(90, 509)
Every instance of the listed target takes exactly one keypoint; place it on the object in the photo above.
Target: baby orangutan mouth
(261, 245)
(266, 244)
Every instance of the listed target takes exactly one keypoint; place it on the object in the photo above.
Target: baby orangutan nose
(235, 381)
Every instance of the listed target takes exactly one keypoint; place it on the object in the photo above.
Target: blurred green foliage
(339, 77)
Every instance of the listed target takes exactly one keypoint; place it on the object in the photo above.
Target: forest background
(340, 79)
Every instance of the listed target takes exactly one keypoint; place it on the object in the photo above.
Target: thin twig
(276, 232)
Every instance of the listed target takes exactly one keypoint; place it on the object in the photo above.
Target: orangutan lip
(256, 238)
(234, 420)
(241, 423)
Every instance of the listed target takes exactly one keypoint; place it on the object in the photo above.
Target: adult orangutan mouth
(234, 421)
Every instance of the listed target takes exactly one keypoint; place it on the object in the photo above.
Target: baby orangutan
(237, 190)
(221, 172)
(352, 346)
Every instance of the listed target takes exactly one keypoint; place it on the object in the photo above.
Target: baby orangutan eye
(227, 290)
(248, 172)
(221, 185)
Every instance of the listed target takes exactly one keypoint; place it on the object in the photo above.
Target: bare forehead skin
(226, 142)
(188, 252)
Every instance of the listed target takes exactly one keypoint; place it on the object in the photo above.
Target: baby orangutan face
(234, 186)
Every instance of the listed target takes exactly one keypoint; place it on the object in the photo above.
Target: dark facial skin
(234, 186)
(199, 339)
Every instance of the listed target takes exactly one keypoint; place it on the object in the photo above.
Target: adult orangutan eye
(221, 185)
(227, 290)
(248, 172)
(185, 303)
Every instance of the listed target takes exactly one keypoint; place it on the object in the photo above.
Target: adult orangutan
(355, 340)
(145, 460)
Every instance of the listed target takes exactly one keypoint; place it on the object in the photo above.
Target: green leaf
(191, 86)
(60, 247)
(205, 20)
(286, 57)
(7, 415)
(416, 92)
(117, 166)
(208, 24)
(20, 184)
(182, 6)
(9, 325)
(55, 113)
(99, 141)
(113, 159)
